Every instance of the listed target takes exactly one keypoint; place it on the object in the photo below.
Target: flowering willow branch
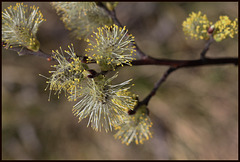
(110, 46)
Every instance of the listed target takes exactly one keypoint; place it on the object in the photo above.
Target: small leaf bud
(211, 29)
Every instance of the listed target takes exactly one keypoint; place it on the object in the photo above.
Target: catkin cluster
(82, 18)
(105, 104)
(199, 27)
(19, 26)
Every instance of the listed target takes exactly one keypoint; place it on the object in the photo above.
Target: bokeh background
(194, 113)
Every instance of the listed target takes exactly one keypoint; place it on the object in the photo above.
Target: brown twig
(206, 48)
(153, 92)
(186, 63)
(157, 85)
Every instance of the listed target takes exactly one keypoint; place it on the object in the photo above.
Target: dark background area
(194, 113)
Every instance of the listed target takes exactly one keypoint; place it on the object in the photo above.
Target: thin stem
(154, 90)
(158, 84)
(206, 48)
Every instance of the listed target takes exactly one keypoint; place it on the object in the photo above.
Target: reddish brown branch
(206, 48)
(174, 65)
(157, 85)
(186, 63)
(153, 92)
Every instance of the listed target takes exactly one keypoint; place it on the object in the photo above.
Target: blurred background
(194, 113)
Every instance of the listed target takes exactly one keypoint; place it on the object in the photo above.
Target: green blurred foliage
(194, 113)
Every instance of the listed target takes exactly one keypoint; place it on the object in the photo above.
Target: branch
(174, 65)
(153, 92)
(186, 63)
(206, 48)
(157, 85)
